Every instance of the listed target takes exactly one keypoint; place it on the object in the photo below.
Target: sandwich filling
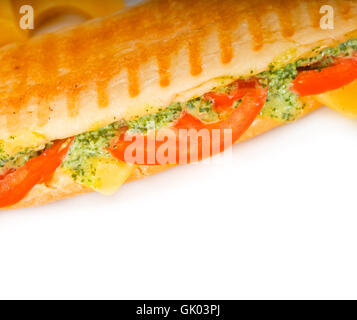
(96, 158)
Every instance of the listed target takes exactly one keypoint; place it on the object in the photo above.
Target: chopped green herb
(85, 148)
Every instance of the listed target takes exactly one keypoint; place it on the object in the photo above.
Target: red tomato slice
(224, 101)
(238, 122)
(314, 82)
(16, 184)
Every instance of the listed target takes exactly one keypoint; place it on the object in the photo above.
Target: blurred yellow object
(9, 26)
(45, 9)
(343, 100)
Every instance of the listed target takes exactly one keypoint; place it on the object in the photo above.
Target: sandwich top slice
(71, 100)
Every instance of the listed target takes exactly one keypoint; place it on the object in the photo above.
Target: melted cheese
(21, 141)
(109, 175)
(343, 100)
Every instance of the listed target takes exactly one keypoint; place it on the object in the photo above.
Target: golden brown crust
(62, 186)
(66, 83)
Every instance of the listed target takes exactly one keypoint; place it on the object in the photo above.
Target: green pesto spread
(198, 107)
(281, 104)
(345, 49)
(20, 158)
(202, 109)
(156, 120)
(85, 148)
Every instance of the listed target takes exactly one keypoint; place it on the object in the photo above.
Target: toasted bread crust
(62, 84)
(62, 185)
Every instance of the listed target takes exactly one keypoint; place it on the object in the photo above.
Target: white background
(280, 221)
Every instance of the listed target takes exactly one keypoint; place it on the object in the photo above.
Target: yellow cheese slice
(9, 25)
(21, 141)
(343, 100)
(109, 175)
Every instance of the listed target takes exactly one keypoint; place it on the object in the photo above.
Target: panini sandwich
(71, 100)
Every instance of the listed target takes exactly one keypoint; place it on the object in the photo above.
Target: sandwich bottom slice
(248, 106)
